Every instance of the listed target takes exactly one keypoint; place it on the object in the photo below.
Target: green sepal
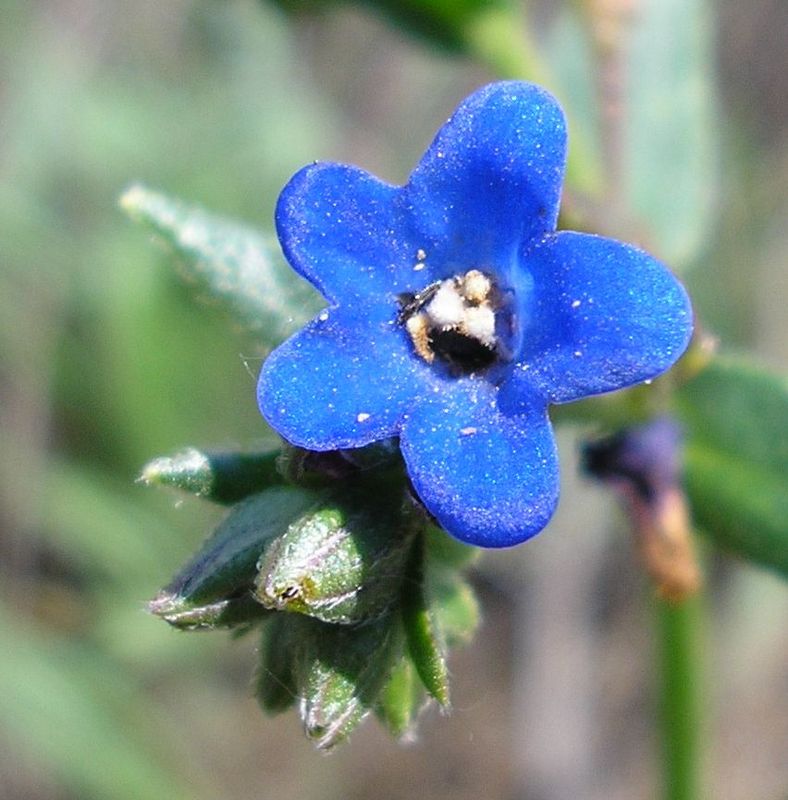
(234, 612)
(425, 639)
(228, 264)
(226, 564)
(344, 560)
(220, 477)
(324, 468)
(402, 700)
(340, 672)
(275, 682)
(454, 604)
(439, 607)
(313, 468)
(734, 414)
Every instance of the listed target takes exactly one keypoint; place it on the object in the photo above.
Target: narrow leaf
(228, 264)
(741, 408)
(670, 130)
(742, 507)
(234, 612)
(439, 21)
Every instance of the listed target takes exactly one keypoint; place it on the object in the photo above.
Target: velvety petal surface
(491, 178)
(605, 315)
(340, 382)
(489, 479)
(341, 229)
(579, 314)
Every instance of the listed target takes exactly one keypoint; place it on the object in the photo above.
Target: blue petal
(489, 479)
(606, 315)
(341, 229)
(492, 177)
(340, 382)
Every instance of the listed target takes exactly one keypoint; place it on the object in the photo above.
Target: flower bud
(340, 672)
(342, 562)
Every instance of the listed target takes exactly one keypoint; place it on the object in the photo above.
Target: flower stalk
(678, 628)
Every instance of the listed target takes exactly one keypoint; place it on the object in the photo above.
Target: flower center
(454, 320)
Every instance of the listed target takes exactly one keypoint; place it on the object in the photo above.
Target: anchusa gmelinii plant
(415, 404)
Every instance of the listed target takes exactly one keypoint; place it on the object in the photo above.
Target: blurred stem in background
(680, 631)
(642, 465)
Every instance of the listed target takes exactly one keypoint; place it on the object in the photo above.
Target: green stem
(682, 735)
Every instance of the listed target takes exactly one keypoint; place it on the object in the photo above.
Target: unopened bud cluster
(353, 600)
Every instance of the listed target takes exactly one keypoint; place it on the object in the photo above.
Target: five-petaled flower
(457, 314)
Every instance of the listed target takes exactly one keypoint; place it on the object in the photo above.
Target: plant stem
(681, 661)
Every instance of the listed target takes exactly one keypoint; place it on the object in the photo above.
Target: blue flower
(456, 314)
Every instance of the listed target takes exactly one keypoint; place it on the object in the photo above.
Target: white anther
(479, 323)
(447, 308)
(476, 286)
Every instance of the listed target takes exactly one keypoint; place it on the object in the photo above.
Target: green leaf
(439, 607)
(737, 458)
(670, 118)
(226, 564)
(401, 700)
(501, 37)
(340, 672)
(222, 477)
(228, 264)
(343, 561)
(567, 47)
(740, 408)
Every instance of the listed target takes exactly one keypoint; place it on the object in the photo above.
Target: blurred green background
(107, 362)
